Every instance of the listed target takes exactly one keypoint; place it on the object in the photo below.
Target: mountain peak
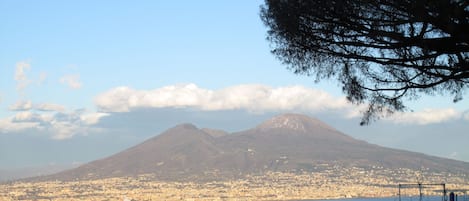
(297, 122)
(186, 152)
(186, 126)
(288, 121)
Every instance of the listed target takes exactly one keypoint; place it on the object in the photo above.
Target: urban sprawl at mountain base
(330, 182)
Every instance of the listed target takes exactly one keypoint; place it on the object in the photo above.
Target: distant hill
(289, 142)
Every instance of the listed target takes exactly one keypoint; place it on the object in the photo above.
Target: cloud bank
(49, 107)
(257, 99)
(21, 106)
(28, 105)
(59, 125)
(254, 98)
(426, 116)
(51, 118)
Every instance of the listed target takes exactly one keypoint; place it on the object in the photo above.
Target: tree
(382, 52)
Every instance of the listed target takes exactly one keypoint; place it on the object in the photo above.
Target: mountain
(289, 142)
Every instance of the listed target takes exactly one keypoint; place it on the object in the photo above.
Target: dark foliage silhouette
(381, 52)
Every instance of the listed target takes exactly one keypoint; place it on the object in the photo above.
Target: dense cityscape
(328, 183)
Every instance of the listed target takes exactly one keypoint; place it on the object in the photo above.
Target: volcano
(288, 142)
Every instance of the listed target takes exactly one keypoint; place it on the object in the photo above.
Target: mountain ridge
(289, 142)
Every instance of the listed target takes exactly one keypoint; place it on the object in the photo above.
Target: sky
(86, 79)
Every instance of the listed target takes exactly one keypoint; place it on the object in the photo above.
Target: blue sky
(85, 79)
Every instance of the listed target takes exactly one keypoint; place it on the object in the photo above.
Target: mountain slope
(288, 142)
(180, 149)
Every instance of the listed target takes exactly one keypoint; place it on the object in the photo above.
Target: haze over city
(84, 80)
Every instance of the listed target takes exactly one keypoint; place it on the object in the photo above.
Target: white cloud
(20, 75)
(49, 107)
(7, 125)
(426, 116)
(21, 106)
(254, 97)
(27, 116)
(92, 118)
(257, 99)
(73, 81)
(28, 105)
(59, 125)
(64, 130)
(32, 117)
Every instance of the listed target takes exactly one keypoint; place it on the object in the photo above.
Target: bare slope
(288, 142)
